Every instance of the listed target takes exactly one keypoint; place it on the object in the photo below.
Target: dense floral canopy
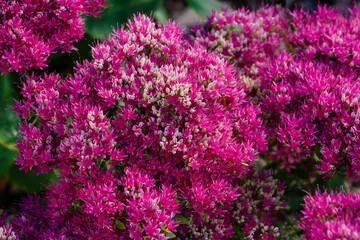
(163, 134)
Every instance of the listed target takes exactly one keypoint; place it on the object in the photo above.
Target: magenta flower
(6, 231)
(249, 39)
(138, 135)
(315, 104)
(258, 205)
(32, 29)
(331, 216)
(308, 93)
(327, 32)
(254, 206)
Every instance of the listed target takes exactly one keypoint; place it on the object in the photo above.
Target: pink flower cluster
(32, 29)
(309, 98)
(6, 231)
(316, 104)
(258, 204)
(332, 216)
(328, 32)
(148, 135)
(157, 135)
(249, 39)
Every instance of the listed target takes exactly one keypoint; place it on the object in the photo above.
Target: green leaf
(170, 235)
(5, 90)
(189, 206)
(121, 104)
(8, 124)
(238, 234)
(8, 119)
(29, 181)
(119, 224)
(6, 160)
(170, 110)
(57, 173)
(101, 162)
(68, 121)
(161, 15)
(337, 183)
(181, 219)
(8, 128)
(118, 13)
(317, 153)
(204, 7)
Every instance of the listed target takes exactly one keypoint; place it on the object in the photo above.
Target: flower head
(32, 29)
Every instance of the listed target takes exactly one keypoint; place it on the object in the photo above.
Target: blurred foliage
(29, 181)
(161, 15)
(6, 160)
(63, 63)
(8, 124)
(117, 13)
(8, 119)
(203, 8)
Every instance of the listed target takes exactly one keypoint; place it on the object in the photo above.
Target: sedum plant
(331, 216)
(308, 96)
(146, 137)
(32, 29)
(164, 134)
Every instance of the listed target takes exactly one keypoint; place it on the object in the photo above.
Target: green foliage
(6, 160)
(8, 126)
(170, 235)
(204, 7)
(161, 15)
(120, 225)
(5, 89)
(181, 219)
(8, 119)
(29, 181)
(336, 183)
(118, 12)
